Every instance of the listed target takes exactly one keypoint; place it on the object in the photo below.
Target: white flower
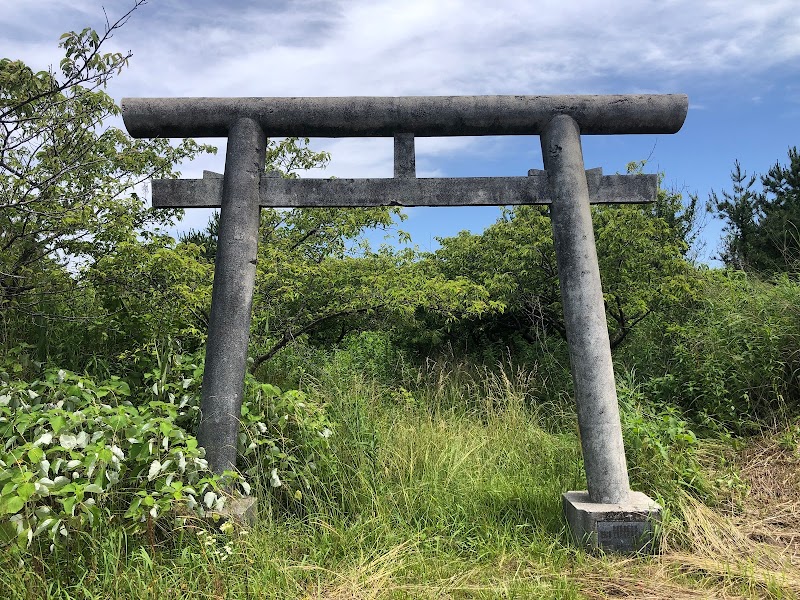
(181, 462)
(274, 480)
(326, 433)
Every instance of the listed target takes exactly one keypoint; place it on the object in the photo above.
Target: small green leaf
(57, 422)
(26, 490)
(12, 505)
(35, 454)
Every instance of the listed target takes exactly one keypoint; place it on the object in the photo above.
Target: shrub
(284, 436)
(730, 361)
(76, 453)
(660, 445)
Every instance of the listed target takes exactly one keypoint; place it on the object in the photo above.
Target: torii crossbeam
(610, 515)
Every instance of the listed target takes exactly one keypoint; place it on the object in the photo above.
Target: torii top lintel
(423, 116)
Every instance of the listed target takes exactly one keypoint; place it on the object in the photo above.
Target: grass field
(450, 491)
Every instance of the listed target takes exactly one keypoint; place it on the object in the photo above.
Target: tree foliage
(67, 181)
(641, 253)
(762, 226)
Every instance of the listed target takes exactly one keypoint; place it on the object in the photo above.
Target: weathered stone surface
(405, 160)
(380, 116)
(584, 313)
(626, 526)
(232, 296)
(242, 510)
(609, 515)
(406, 191)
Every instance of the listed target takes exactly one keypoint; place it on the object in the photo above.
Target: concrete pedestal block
(242, 511)
(627, 527)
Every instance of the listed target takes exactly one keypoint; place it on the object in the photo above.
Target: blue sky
(739, 62)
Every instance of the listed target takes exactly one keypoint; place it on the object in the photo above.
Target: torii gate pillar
(232, 295)
(609, 515)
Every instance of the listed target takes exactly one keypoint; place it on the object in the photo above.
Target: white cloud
(366, 47)
(422, 47)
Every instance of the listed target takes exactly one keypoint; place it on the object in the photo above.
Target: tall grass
(448, 486)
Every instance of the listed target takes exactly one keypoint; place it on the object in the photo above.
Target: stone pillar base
(627, 527)
(242, 511)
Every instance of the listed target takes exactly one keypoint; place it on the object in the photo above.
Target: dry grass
(753, 552)
(382, 576)
(772, 512)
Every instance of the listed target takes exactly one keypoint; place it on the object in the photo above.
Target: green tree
(779, 224)
(738, 209)
(68, 182)
(762, 226)
(317, 279)
(641, 251)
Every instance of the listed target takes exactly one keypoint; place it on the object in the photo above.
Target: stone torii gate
(609, 515)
